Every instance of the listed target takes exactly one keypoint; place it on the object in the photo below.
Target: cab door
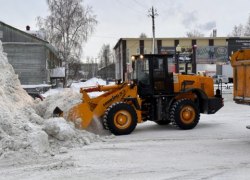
(162, 80)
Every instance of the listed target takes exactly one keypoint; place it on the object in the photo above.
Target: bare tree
(105, 56)
(74, 69)
(92, 67)
(238, 31)
(194, 33)
(143, 35)
(106, 59)
(68, 26)
(247, 28)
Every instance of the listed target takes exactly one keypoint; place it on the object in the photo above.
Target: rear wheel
(184, 114)
(120, 119)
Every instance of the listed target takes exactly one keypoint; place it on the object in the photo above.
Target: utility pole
(152, 13)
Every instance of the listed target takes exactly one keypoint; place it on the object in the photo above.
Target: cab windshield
(141, 70)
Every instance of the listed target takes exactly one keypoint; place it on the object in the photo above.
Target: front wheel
(120, 119)
(184, 114)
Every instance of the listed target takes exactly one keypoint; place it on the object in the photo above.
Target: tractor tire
(163, 122)
(120, 119)
(184, 114)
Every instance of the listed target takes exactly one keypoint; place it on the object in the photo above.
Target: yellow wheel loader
(155, 93)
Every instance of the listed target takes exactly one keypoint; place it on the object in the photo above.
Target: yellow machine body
(83, 113)
(240, 61)
(154, 94)
(200, 82)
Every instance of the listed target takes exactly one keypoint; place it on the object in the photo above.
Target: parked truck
(240, 61)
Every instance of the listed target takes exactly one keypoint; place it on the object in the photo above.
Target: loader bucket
(81, 115)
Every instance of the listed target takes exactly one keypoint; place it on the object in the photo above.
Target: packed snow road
(218, 148)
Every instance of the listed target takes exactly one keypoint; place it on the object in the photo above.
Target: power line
(137, 2)
(105, 37)
(130, 7)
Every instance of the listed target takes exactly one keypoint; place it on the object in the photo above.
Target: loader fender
(134, 101)
(202, 99)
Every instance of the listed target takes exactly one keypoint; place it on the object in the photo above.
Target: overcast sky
(128, 18)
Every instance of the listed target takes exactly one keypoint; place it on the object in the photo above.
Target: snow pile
(93, 82)
(15, 113)
(23, 130)
(65, 99)
(66, 134)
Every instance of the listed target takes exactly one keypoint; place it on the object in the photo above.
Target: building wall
(118, 64)
(202, 42)
(235, 44)
(220, 42)
(185, 42)
(28, 61)
(30, 56)
(89, 70)
(207, 49)
(148, 46)
(107, 72)
(133, 47)
(11, 34)
(168, 43)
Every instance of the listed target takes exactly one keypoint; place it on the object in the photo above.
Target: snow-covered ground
(35, 146)
(218, 148)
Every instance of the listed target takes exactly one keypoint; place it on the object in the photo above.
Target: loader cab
(153, 74)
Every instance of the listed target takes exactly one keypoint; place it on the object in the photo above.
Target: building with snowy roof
(31, 57)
